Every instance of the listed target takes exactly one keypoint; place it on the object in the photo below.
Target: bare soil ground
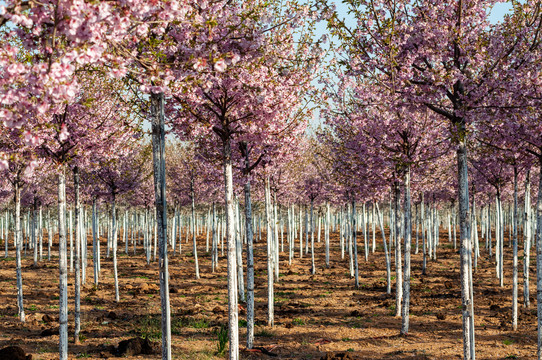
(318, 316)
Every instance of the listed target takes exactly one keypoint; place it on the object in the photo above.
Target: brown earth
(318, 316)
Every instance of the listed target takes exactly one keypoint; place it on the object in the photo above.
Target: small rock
(14, 353)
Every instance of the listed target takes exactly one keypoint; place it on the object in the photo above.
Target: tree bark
(231, 258)
(77, 257)
(195, 247)
(313, 266)
(95, 251)
(159, 169)
(406, 272)
(250, 260)
(465, 244)
(398, 260)
(270, 293)
(515, 260)
(527, 240)
(18, 244)
(355, 243)
(539, 262)
(114, 241)
(63, 266)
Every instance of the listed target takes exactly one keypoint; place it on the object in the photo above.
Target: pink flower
(63, 136)
(200, 65)
(220, 65)
(30, 168)
(117, 73)
(4, 164)
(29, 139)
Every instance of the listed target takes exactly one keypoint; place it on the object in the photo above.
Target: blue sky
(496, 15)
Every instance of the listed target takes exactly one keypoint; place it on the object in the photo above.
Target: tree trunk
(527, 240)
(313, 266)
(424, 243)
(539, 262)
(465, 244)
(95, 252)
(270, 293)
(195, 247)
(515, 260)
(159, 169)
(114, 245)
(231, 258)
(406, 272)
(326, 237)
(250, 260)
(77, 257)
(214, 242)
(63, 266)
(18, 243)
(239, 252)
(398, 260)
(33, 234)
(355, 243)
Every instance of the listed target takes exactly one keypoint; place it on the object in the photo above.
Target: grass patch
(222, 340)
(150, 327)
(178, 323)
(264, 333)
(508, 341)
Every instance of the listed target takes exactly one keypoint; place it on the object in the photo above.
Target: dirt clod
(135, 346)
(112, 315)
(494, 307)
(356, 313)
(47, 318)
(337, 356)
(14, 353)
(49, 332)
